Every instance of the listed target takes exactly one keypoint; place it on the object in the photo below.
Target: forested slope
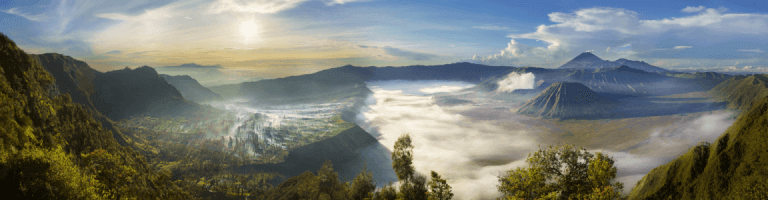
(51, 148)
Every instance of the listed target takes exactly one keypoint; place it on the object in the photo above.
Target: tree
(562, 172)
(411, 187)
(402, 158)
(439, 189)
(387, 193)
(363, 185)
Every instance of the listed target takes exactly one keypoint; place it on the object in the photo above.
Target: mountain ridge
(587, 60)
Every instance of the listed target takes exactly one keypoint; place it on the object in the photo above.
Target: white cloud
(30, 17)
(751, 50)
(444, 88)
(449, 144)
(333, 2)
(692, 9)
(515, 81)
(604, 28)
(265, 7)
(489, 27)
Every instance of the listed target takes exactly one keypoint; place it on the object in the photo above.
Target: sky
(277, 38)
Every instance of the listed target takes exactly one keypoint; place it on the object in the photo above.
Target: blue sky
(290, 37)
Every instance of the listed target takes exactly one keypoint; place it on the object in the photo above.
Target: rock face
(564, 100)
(190, 89)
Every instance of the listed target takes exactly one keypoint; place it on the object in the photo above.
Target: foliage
(43, 136)
(562, 172)
(402, 158)
(439, 188)
(363, 185)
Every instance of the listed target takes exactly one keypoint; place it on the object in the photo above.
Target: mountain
(192, 66)
(51, 147)
(564, 100)
(190, 89)
(588, 60)
(349, 81)
(617, 80)
(128, 92)
(742, 91)
(75, 78)
(731, 168)
(641, 65)
(72, 76)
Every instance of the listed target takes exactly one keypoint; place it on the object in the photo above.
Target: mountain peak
(567, 100)
(586, 55)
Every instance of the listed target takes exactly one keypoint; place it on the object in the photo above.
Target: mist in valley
(471, 151)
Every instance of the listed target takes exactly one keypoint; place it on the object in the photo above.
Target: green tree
(387, 193)
(363, 185)
(439, 189)
(562, 172)
(411, 187)
(402, 158)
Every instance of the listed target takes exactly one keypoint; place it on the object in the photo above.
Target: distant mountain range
(190, 89)
(565, 100)
(588, 60)
(192, 66)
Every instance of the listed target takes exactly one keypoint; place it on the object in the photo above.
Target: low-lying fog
(471, 153)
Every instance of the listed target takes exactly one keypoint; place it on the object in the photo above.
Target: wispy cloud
(751, 50)
(409, 54)
(690, 9)
(30, 17)
(683, 47)
(333, 2)
(493, 28)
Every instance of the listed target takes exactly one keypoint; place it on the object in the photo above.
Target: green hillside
(742, 91)
(51, 148)
(734, 167)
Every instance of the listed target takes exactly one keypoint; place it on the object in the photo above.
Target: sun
(249, 29)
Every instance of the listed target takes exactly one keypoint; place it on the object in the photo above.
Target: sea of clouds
(470, 154)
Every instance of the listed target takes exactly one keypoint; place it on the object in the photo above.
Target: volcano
(564, 100)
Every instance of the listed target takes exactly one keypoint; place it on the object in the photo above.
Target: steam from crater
(514, 81)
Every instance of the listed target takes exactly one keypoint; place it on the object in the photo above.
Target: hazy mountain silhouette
(347, 81)
(190, 89)
(127, 92)
(192, 66)
(564, 100)
(588, 60)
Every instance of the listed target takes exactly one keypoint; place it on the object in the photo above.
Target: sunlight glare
(249, 29)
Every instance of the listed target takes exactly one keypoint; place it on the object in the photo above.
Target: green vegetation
(741, 92)
(563, 172)
(734, 167)
(46, 143)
